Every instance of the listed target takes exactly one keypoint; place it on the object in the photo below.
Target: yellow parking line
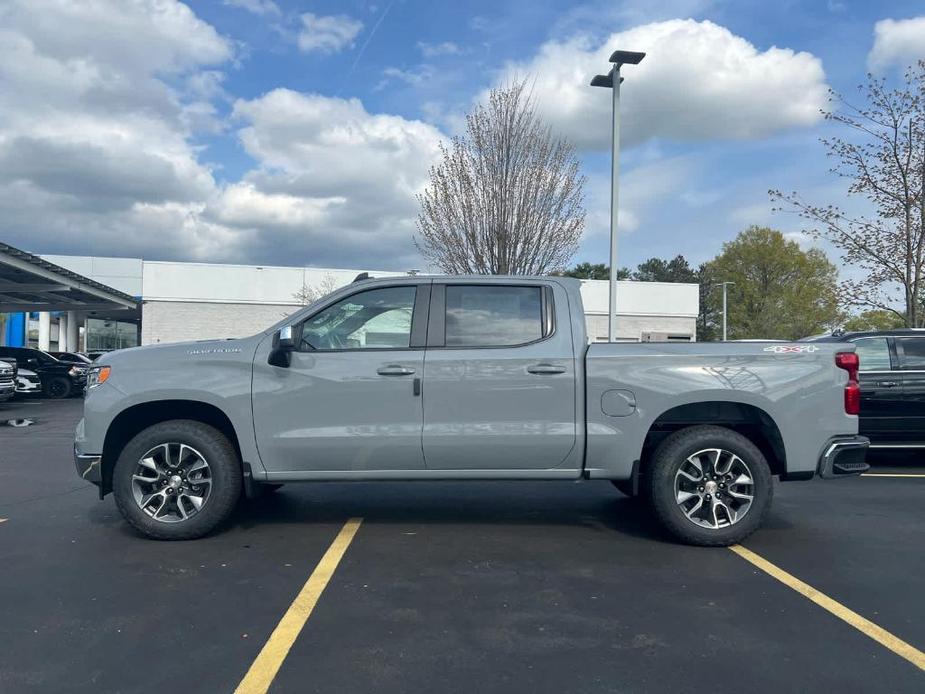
(890, 474)
(264, 668)
(865, 626)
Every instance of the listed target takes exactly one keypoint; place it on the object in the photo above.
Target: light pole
(612, 80)
(724, 285)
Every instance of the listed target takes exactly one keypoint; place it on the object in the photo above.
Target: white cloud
(897, 42)
(98, 149)
(641, 188)
(430, 50)
(98, 110)
(258, 7)
(331, 177)
(242, 204)
(699, 81)
(327, 34)
(414, 76)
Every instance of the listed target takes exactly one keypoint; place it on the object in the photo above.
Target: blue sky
(275, 132)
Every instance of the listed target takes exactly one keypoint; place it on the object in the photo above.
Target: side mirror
(284, 344)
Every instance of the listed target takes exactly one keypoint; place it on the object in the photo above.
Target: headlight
(97, 376)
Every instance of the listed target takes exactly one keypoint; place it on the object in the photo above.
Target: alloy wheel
(172, 482)
(714, 488)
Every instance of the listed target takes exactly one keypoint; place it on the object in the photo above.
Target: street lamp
(724, 285)
(612, 81)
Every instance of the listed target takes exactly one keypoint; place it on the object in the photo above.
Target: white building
(194, 301)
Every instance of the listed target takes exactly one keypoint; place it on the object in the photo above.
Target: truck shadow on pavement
(596, 506)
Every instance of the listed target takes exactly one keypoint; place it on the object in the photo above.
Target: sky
(298, 133)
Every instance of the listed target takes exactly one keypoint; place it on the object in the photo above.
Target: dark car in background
(60, 379)
(73, 357)
(892, 379)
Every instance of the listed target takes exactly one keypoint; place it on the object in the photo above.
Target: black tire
(58, 388)
(667, 460)
(226, 481)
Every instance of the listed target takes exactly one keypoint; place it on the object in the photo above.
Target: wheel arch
(751, 421)
(134, 419)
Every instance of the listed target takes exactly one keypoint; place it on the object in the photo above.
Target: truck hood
(186, 352)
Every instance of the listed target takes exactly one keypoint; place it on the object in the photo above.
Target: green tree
(709, 326)
(595, 271)
(780, 291)
(876, 319)
(658, 270)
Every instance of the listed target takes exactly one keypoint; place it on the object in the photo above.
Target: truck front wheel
(177, 480)
(709, 486)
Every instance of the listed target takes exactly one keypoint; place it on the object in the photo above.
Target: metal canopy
(28, 283)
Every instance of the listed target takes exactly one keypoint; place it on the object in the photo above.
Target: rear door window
(874, 353)
(493, 316)
(912, 351)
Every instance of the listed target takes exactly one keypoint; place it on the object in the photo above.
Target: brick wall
(632, 327)
(177, 321)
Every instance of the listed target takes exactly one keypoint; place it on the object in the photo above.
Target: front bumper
(25, 386)
(7, 391)
(844, 457)
(88, 467)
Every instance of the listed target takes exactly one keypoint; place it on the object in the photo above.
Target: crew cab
(464, 378)
(892, 380)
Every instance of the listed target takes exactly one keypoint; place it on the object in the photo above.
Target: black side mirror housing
(284, 344)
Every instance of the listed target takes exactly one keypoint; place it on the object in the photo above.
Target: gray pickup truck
(465, 378)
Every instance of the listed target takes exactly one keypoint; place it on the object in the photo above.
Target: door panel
(350, 397)
(882, 407)
(335, 411)
(911, 353)
(496, 407)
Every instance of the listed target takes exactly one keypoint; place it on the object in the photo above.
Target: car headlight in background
(97, 376)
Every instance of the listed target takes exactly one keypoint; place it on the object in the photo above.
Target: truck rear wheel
(709, 486)
(177, 480)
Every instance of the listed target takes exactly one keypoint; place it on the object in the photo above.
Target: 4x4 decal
(792, 349)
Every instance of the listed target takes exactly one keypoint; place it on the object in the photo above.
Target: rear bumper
(844, 457)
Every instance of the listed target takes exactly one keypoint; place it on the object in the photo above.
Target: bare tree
(507, 196)
(309, 295)
(885, 162)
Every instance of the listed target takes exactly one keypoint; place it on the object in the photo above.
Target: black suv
(59, 379)
(892, 379)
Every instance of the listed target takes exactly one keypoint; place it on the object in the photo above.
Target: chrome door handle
(546, 369)
(394, 370)
(887, 384)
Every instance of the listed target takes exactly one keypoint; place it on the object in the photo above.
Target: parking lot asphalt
(449, 587)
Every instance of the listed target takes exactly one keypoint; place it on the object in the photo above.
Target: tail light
(850, 362)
